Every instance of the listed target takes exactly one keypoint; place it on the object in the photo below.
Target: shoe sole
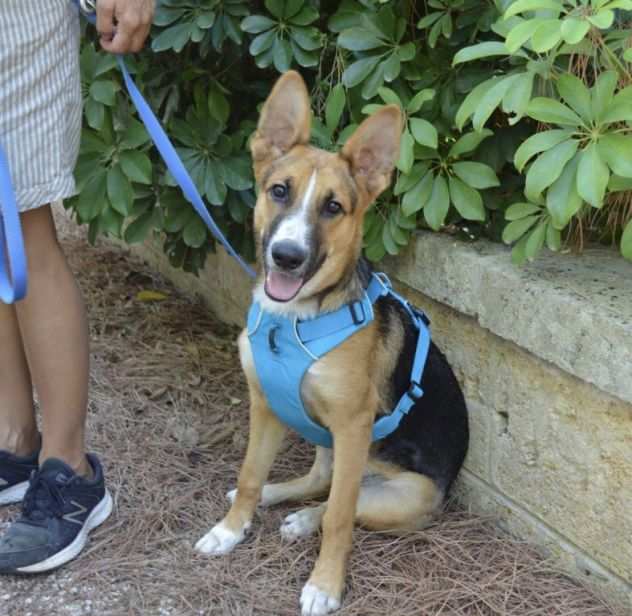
(14, 494)
(99, 515)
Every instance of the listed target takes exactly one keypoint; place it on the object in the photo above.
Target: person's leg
(18, 431)
(54, 332)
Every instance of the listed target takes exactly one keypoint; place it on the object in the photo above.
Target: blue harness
(285, 348)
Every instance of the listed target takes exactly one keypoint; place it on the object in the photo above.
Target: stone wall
(544, 354)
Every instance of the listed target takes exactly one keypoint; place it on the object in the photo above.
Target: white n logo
(70, 517)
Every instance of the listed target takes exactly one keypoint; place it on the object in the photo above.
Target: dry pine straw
(168, 415)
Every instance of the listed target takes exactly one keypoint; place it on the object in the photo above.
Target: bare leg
(18, 431)
(55, 336)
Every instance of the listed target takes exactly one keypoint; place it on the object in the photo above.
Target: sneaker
(60, 509)
(14, 475)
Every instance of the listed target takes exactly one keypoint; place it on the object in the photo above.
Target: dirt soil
(168, 416)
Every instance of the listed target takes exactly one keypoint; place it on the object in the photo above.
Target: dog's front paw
(301, 524)
(219, 540)
(315, 602)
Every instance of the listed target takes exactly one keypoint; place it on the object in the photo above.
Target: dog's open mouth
(282, 287)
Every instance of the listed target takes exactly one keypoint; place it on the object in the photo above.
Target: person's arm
(123, 25)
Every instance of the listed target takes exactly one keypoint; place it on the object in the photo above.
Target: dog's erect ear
(373, 149)
(284, 122)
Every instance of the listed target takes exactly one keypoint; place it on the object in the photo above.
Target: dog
(308, 224)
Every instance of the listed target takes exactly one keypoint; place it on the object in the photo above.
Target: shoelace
(43, 499)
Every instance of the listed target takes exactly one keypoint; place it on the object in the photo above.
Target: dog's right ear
(285, 121)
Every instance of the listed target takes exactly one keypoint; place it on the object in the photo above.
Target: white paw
(231, 494)
(219, 540)
(301, 524)
(269, 495)
(315, 602)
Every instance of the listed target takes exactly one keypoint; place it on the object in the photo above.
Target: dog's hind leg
(315, 483)
(266, 436)
(405, 501)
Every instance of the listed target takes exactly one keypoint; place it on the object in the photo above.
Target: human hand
(123, 25)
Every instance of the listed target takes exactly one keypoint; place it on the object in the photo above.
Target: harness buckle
(357, 314)
(415, 392)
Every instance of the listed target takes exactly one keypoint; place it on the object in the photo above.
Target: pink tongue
(281, 286)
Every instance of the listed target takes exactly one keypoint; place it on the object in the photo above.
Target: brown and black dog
(308, 224)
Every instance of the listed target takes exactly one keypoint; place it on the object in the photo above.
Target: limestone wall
(544, 354)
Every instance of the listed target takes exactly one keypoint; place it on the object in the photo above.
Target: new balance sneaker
(14, 475)
(60, 509)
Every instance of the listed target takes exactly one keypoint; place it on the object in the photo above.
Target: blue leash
(171, 158)
(13, 268)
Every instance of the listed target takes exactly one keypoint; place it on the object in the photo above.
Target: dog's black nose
(288, 255)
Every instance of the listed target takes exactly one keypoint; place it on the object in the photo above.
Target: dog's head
(311, 204)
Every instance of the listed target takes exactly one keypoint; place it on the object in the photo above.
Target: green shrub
(518, 117)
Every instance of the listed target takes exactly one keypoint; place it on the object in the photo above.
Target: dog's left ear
(285, 121)
(373, 150)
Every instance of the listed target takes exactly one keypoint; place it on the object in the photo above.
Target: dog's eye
(332, 208)
(279, 192)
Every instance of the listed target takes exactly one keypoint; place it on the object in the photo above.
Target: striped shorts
(40, 97)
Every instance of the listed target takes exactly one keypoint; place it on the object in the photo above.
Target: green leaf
(134, 136)
(490, 100)
(292, 7)
(416, 198)
(92, 198)
(262, 42)
(373, 83)
(620, 108)
(335, 106)
(616, 150)
(466, 200)
(536, 240)
(472, 100)
(389, 96)
(282, 55)
(518, 228)
(469, 142)
(177, 220)
(255, 24)
(552, 112)
(547, 35)
(553, 237)
(480, 50)
(388, 241)
(592, 176)
(119, 190)
(358, 71)
(137, 231)
(428, 20)
(576, 95)
(602, 20)
(307, 38)
(359, 39)
(602, 93)
(194, 234)
(626, 241)
(476, 175)
(517, 98)
(539, 143)
(95, 114)
(424, 132)
(547, 168)
(136, 166)
(518, 252)
(522, 6)
(275, 7)
(405, 181)
(520, 34)
(419, 99)
(392, 68)
(562, 199)
(627, 55)
(516, 211)
(103, 92)
(406, 152)
(574, 29)
(437, 207)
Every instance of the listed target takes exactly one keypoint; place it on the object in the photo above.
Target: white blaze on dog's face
(311, 205)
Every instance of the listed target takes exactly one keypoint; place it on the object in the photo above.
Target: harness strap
(171, 158)
(13, 267)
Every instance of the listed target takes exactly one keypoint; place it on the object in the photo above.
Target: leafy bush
(518, 117)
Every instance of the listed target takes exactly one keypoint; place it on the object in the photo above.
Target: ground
(168, 416)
